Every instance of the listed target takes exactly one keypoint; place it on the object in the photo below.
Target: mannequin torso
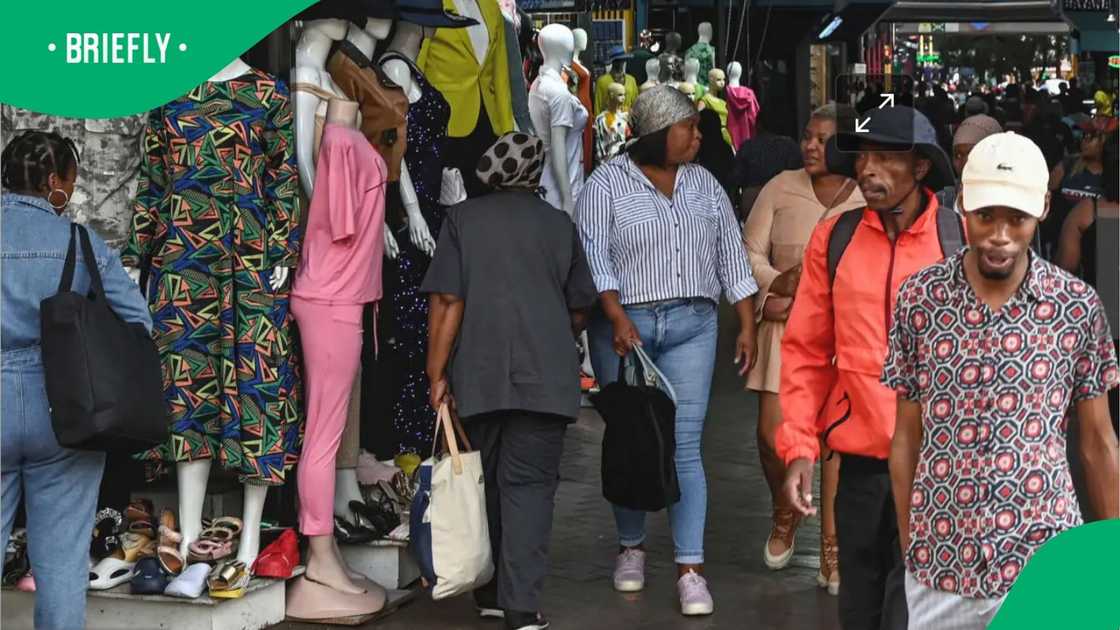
(703, 52)
(553, 107)
(653, 70)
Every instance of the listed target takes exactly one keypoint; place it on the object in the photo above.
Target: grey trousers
(521, 461)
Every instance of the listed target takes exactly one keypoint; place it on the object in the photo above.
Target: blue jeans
(680, 337)
(60, 487)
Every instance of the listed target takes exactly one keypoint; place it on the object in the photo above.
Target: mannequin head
(333, 29)
(616, 96)
(704, 31)
(378, 28)
(41, 164)
(580, 37)
(717, 80)
(557, 45)
(691, 70)
(688, 89)
(734, 73)
(672, 43)
(653, 68)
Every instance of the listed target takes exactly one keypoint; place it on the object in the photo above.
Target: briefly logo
(117, 48)
(1004, 167)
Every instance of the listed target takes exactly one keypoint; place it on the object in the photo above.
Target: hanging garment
(552, 105)
(742, 113)
(706, 55)
(719, 106)
(396, 415)
(383, 103)
(449, 62)
(612, 130)
(518, 89)
(602, 95)
(216, 210)
(583, 93)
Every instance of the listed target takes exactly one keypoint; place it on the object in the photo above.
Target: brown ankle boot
(829, 575)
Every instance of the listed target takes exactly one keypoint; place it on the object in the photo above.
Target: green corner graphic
(55, 52)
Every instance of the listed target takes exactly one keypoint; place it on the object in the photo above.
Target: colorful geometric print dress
(398, 417)
(216, 210)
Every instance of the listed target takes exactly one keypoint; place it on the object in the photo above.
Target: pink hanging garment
(742, 113)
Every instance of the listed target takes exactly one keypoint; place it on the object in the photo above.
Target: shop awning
(973, 11)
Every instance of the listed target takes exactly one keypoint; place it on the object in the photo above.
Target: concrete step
(386, 562)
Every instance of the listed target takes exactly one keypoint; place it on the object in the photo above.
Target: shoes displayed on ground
(829, 575)
(111, 572)
(784, 529)
(630, 571)
(370, 470)
(149, 578)
(279, 559)
(191, 583)
(217, 542)
(695, 598)
(170, 558)
(228, 580)
(16, 563)
(107, 526)
(525, 621)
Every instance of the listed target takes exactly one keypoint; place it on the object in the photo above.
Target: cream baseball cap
(1005, 169)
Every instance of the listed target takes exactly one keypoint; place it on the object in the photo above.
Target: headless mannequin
(692, 71)
(653, 69)
(579, 36)
(366, 41)
(192, 477)
(704, 32)
(734, 74)
(311, 57)
(557, 45)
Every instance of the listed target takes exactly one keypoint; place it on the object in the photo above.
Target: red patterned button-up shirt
(993, 483)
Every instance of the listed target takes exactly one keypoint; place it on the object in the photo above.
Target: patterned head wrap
(659, 108)
(514, 162)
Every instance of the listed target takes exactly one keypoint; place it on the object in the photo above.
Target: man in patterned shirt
(989, 350)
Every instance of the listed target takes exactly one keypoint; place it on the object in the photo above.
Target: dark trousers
(521, 461)
(872, 585)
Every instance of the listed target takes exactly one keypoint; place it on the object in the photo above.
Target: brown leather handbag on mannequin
(383, 104)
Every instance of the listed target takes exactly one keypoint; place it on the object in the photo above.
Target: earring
(65, 199)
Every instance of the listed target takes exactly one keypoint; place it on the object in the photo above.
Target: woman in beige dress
(776, 232)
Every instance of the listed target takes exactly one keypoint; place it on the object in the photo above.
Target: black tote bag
(638, 467)
(103, 376)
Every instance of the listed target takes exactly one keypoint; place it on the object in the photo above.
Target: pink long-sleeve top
(742, 113)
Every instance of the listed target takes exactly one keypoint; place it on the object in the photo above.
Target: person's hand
(786, 283)
(746, 345)
(904, 540)
(798, 486)
(625, 336)
(392, 250)
(776, 308)
(440, 393)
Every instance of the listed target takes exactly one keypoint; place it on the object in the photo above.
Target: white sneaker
(695, 598)
(630, 571)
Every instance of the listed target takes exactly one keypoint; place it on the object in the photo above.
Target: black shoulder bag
(103, 376)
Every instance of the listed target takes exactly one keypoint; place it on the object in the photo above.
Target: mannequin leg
(251, 523)
(325, 566)
(192, 478)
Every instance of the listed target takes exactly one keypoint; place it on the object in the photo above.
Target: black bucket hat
(355, 11)
(902, 127)
(431, 13)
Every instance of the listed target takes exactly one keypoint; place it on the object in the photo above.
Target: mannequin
(703, 52)
(313, 87)
(742, 106)
(713, 100)
(612, 127)
(653, 69)
(692, 76)
(583, 92)
(616, 74)
(554, 108)
(672, 71)
(329, 586)
(689, 90)
(193, 474)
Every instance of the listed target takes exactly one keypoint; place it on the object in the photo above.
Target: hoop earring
(65, 197)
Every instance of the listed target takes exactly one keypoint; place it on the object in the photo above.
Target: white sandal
(110, 572)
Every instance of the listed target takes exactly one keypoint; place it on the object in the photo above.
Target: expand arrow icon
(888, 100)
(861, 125)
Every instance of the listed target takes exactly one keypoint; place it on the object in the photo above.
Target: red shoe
(279, 559)
(587, 383)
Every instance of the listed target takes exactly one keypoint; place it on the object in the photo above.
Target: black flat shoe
(349, 533)
(375, 518)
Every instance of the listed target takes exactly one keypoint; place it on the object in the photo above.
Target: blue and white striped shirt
(649, 248)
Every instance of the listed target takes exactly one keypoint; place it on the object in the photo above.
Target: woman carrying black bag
(60, 485)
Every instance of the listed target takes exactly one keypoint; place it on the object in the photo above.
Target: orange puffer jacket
(835, 341)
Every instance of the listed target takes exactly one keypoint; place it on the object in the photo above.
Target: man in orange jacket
(836, 341)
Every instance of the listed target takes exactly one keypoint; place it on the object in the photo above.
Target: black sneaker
(525, 621)
(486, 602)
(489, 612)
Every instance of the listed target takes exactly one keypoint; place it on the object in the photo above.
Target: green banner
(105, 59)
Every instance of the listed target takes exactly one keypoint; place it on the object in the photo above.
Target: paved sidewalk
(747, 595)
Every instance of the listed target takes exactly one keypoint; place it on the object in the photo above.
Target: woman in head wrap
(509, 286)
(663, 244)
(971, 131)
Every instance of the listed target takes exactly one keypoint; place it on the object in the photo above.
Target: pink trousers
(332, 348)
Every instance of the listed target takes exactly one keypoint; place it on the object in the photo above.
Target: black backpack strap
(950, 231)
(67, 279)
(91, 262)
(838, 239)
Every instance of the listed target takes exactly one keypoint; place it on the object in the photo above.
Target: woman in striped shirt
(663, 243)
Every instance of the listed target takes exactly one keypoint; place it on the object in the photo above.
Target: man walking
(852, 269)
(988, 350)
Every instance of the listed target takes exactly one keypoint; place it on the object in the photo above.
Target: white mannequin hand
(392, 250)
(418, 231)
(133, 273)
(278, 278)
(452, 190)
